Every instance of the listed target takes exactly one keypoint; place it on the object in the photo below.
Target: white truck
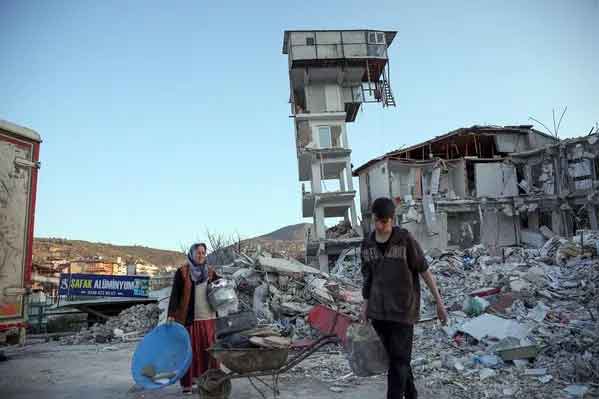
(19, 164)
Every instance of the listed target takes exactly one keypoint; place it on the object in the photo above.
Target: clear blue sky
(161, 119)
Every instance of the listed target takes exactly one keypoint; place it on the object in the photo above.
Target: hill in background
(59, 248)
(286, 241)
(295, 232)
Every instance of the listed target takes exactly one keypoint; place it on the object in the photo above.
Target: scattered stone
(135, 319)
(486, 373)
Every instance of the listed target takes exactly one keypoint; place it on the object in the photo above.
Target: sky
(162, 120)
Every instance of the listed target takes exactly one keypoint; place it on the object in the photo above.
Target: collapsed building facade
(331, 74)
(490, 185)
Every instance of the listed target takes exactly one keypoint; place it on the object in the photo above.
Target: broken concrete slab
(539, 312)
(316, 287)
(284, 266)
(519, 352)
(492, 326)
(535, 372)
(547, 233)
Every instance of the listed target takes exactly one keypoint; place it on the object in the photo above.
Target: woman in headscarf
(189, 306)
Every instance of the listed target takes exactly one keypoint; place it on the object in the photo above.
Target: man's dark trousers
(397, 339)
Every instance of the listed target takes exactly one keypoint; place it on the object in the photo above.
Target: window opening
(324, 137)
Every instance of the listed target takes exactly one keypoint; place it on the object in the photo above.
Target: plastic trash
(489, 361)
(365, 351)
(162, 357)
(475, 306)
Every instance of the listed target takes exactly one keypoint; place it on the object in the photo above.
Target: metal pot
(222, 296)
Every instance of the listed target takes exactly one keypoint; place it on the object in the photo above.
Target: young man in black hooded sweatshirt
(392, 264)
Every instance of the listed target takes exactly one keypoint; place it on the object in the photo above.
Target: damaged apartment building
(331, 74)
(490, 185)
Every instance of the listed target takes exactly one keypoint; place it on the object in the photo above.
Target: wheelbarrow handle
(322, 341)
(315, 346)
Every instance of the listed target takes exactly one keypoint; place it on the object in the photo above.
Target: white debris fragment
(577, 390)
(491, 326)
(486, 373)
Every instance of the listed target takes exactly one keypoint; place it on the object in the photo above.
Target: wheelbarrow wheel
(209, 387)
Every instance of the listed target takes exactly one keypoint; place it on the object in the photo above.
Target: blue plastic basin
(168, 349)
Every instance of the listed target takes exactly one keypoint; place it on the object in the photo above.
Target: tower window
(324, 136)
(309, 41)
(376, 38)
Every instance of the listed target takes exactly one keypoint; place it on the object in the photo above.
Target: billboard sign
(104, 285)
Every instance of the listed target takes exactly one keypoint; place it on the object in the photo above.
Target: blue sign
(103, 285)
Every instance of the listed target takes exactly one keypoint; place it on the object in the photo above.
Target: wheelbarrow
(254, 363)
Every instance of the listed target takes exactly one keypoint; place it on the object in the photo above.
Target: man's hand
(428, 278)
(442, 313)
(363, 312)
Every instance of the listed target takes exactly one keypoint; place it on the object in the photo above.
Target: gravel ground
(94, 372)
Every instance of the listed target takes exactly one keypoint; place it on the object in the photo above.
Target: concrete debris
(284, 266)
(131, 323)
(487, 373)
(347, 268)
(341, 230)
(542, 318)
(490, 326)
(539, 312)
(281, 292)
(576, 391)
(517, 351)
(535, 372)
(523, 322)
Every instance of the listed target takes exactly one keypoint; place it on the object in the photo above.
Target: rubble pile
(347, 268)
(130, 323)
(282, 292)
(341, 230)
(522, 324)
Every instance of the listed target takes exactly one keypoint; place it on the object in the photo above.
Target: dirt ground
(95, 372)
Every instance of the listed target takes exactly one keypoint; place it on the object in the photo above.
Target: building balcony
(335, 204)
(332, 161)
